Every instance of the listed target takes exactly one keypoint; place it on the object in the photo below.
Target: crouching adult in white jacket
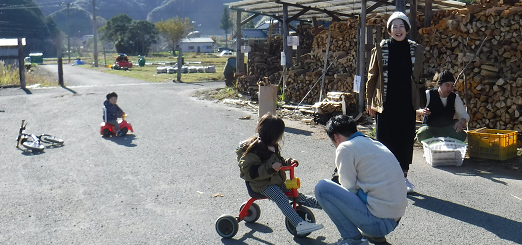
(371, 194)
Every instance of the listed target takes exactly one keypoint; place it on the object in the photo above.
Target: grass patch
(10, 76)
(218, 94)
(148, 72)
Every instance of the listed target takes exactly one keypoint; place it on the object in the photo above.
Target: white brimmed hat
(398, 15)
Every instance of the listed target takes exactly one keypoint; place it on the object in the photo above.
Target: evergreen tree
(226, 24)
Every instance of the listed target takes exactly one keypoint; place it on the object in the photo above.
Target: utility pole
(95, 35)
(68, 34)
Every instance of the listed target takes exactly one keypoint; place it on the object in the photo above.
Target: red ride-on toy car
(227, 225)
(122, 62)
(107, 129)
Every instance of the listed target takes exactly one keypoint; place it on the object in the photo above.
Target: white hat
(398, 15)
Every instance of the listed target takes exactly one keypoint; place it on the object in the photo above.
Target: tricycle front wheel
(306, 214)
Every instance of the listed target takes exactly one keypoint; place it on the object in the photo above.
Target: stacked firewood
(494, 76)
(306, 37)
(247, 85)
(264, 60)
(300, 82)
(341, 64)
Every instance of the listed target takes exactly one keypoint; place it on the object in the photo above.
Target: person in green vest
(441, 108)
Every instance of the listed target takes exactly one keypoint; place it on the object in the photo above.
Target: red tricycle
(227, 225)
(107, 129)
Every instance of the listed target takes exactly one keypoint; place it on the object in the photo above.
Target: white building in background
(198, 44)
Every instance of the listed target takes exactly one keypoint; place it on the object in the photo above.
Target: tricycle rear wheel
(254, 212)
(227, 226)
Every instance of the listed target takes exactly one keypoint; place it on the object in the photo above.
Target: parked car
(226, 52)
(225, 49)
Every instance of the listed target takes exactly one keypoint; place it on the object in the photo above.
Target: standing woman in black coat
(391, 91)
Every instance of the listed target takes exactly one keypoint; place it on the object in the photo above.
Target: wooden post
(413, 20)
(180, 62)
(286, 49)
(325, 64)
(427, 12)
(400, 5)
(21, 63)
(240, 57)
(360, 57)
(60, 60)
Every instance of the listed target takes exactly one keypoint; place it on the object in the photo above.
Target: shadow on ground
(298, 131)
(261, 228)
(124, 140)
(489, 169)
(504, 228)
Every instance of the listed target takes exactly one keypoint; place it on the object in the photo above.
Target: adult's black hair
(406, 26)
(341, 124)
(111, 94)
(446, 76)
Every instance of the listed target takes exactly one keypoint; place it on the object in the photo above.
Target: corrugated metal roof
(253, 33)
(323, 10)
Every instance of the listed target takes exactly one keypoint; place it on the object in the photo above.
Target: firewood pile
(306, 37)
(341, 62)
(264, 60)
(494, 77)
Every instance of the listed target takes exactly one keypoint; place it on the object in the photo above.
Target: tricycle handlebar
(289, 167)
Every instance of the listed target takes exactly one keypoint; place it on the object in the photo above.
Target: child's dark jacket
(112, 112)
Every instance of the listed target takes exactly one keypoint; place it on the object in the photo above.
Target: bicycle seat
(252, 193)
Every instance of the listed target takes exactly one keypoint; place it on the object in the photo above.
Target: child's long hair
(269, 129)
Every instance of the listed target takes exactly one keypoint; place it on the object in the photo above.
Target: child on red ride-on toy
(260, 163)
(111, 113)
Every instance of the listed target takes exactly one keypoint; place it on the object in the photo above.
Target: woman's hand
(276, 166)
(370, 111)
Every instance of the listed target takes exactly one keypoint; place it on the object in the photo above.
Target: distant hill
(205, 13)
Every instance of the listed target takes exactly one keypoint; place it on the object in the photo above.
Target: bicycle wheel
(50, 139)
(33, 146)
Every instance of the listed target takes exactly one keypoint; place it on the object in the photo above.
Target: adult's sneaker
(409, 186)
(349, 241)
(376, 240)
(306, 227)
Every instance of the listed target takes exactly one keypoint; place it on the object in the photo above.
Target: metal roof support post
(21, 63)
(360, 57)
(414, 32)
(239, 41)
(400, 5)
(427, 12)
(286, 49)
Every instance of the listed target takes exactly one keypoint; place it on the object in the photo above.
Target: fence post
(60, 60)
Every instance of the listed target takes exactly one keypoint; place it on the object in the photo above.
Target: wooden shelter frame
(287, 11)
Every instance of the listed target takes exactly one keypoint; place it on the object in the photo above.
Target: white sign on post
(283, 58)
(357, 84)
(246, 49)
(292, 41)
